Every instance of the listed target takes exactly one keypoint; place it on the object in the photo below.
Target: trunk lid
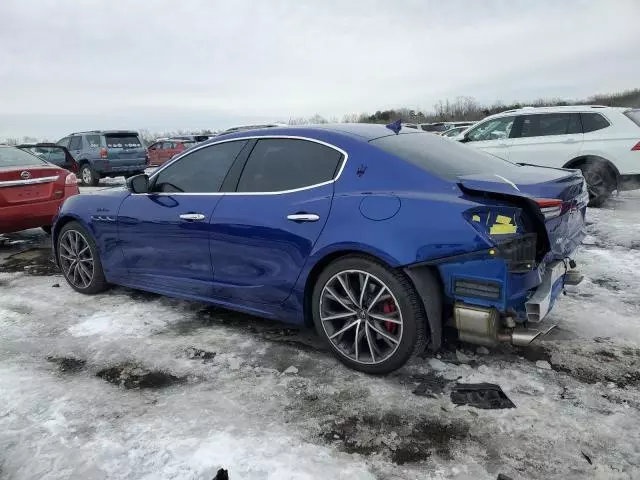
(29, 184)
(537, 188)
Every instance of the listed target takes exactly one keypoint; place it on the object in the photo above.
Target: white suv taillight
(636, 147)
(71, 179)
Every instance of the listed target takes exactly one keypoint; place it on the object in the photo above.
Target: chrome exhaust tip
(522, 337)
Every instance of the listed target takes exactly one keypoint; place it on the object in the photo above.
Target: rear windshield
(634, 115)
(123, 141)
(445, 158)
(14, 157)
(434, 128)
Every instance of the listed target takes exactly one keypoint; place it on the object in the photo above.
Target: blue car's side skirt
(243, 308)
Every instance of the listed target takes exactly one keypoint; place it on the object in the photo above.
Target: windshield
(123, 141)
(14, 157)
(442, 157)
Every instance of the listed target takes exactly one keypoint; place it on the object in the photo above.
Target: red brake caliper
(389, 307)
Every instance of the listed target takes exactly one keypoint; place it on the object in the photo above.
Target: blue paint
(247, 256)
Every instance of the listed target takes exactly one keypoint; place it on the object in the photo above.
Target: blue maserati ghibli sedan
(379, 236)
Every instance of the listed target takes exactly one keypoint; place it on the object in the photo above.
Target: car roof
(103, 132)
(360, 131)
(564, 108)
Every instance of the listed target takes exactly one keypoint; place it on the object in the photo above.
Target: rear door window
(15, 157)
(281, 164)
(64, 141)
(202, 171)
(542, 125)
(442, 157)
(122, 140)
(76, 143)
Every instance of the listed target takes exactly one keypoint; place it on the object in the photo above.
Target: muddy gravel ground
(131, 385)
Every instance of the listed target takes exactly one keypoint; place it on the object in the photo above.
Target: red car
(31, 190)
(163, 150)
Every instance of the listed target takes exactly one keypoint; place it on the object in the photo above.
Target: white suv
(603, 142)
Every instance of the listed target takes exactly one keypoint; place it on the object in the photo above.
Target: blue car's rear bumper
(490, 284)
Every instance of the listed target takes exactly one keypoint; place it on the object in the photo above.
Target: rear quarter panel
(614, 143)
(427, 225)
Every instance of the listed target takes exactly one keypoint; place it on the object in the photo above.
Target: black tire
(414, 333)
(47, 229)
(601, 182)
(98, 282)
(88, 176)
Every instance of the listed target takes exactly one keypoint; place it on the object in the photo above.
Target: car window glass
(76, 143)
(93, 141)
(201, 171)
(64, 142)
(634, 116)
(15, 157)
(495, 129)
(442, 157)
(592, 122)
(542, 125)
(278, 164)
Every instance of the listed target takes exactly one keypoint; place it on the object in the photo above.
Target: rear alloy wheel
(600, 182)
(370, 315)
(87, 176)
(78, 259)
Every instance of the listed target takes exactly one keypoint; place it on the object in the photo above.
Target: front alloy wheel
(78, 259)
(369, 314)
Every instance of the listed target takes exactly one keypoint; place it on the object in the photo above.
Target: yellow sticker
(501, 229)
(476, 218)
(503, 220)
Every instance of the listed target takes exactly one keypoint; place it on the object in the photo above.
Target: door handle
(570, 140)
(192, 216)
(303, 217)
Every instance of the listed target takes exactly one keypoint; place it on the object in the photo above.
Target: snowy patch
(135, 386)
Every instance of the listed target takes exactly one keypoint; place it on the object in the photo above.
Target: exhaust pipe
(480, 325)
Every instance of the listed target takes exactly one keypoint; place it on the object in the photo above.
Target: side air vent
(477, 289)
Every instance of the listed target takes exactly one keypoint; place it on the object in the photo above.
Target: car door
(492, 136)
(262, 235)
(164, 234)
(547, 139)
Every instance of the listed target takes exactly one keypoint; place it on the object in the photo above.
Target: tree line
(462, 108)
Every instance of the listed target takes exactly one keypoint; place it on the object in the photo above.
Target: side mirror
(462, 138)
(138, 183)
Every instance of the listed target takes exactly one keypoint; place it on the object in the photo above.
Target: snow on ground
(130, 385)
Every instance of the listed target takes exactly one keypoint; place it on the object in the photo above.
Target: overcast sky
(167, 64)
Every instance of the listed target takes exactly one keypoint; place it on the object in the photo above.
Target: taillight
(636, 147)
(71, 179)
(104, 153)
(550, 208)
(499, 223)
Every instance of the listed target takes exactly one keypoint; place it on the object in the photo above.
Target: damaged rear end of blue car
(501, 277)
